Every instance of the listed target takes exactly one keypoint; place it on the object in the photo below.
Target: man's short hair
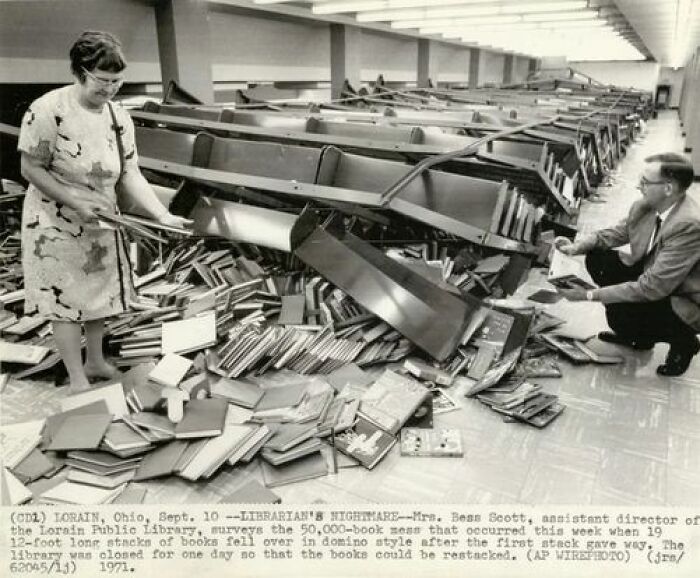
(674, 167)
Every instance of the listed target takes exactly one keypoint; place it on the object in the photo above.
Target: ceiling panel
(669, 28)
(662, 30)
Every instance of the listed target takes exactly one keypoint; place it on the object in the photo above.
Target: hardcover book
(441, 442)
(365, 442)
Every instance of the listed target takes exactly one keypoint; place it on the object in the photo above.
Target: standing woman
(76, 146)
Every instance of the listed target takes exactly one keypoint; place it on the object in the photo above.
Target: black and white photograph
(337, 287)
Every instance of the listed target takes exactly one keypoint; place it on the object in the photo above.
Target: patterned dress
(73, 270)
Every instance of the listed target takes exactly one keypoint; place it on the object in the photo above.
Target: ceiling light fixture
(432, 11)
(681, 33)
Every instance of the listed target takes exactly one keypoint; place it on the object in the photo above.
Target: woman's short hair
(96, 49)
(675, 167)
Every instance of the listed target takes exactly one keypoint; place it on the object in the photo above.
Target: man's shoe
(678, 359)
(638, 344)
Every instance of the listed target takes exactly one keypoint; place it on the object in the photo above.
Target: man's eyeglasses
(107, 83)
(643, 182)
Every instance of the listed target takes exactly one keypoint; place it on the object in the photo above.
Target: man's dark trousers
(642, 322)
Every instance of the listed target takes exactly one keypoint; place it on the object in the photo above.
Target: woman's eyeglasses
(106, 82)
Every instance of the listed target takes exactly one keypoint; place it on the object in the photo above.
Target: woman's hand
(88, 203)
(170, 220)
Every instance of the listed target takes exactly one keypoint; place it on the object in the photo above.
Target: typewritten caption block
(317, 539)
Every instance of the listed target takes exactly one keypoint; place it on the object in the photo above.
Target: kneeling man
(653, 294)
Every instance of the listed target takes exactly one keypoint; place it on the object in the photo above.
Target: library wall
(490, 68)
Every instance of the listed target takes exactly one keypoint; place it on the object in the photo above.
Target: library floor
(627, 437)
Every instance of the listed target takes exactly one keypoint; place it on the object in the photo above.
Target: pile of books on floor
(106, 443)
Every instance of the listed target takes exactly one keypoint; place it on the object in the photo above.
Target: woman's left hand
(171, 220)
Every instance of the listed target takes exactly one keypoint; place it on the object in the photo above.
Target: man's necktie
(654, 234)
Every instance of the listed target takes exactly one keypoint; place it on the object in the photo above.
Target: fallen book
(21, 353)
(529, 408)
(442, 442)
(238, 391)
(547, 415)
(567, 273)
(306, 468)
(186, 335)
(392, 399)
(203, 418)
(252, 492)
(304, 448)
(365, 442)
(161, 461)
(289, 435)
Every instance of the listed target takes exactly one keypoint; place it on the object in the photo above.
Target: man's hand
(565, 246)
(171, 220)
(573, 294)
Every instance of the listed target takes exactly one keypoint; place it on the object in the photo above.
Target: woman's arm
(85, 203)
(141, 194)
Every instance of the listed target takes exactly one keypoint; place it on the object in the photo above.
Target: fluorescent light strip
(458, 28)
(457, 12)
(339, 6)
(598, 46)
(505, 19)
(450, 21)
(557, 16)
(681, 33)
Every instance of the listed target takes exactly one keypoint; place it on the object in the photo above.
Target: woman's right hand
(88, 203)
